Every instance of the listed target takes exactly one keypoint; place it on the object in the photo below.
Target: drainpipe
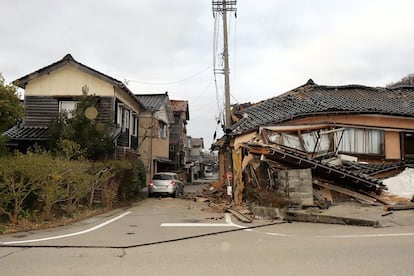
(151, 142)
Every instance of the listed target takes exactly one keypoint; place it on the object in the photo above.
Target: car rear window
(162, 177)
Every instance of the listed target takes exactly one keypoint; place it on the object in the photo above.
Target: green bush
(79, 134)
(39, 182)
(15, 185)
(139, 180)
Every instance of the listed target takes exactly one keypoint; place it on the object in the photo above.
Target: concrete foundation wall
(297, 185)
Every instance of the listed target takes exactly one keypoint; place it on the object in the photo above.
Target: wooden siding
(392, 145)
(40, 110)
(105, 107)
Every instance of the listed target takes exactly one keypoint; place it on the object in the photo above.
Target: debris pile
(289, 171)
(305, 170)
(334, 178)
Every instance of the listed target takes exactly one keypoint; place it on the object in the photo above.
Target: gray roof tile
(312, 99)
(27, 133)
(152, 102)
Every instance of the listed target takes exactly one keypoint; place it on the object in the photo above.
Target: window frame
(361, 141)
(162, 130)
(68, 111)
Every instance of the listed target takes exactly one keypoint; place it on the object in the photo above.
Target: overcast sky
(167, 45)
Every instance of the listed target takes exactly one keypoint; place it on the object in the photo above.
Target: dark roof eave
(256, 128)
(29, 139)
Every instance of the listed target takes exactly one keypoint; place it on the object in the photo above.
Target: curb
(317, 218)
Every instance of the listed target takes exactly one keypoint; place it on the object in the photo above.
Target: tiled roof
(27, 133)
(312, 99)
(180, 106)
(152, 102)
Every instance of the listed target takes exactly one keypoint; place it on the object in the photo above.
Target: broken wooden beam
(239, 216)
(345, 191)
(399, 207)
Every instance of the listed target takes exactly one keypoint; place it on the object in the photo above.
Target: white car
(165, 183)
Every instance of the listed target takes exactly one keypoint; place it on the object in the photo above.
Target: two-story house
(155, 120)
(178, 137)
(54, 88)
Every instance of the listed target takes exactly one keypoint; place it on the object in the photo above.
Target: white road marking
(369, 235)
(228, 223)
(195, 225)
(69, 235)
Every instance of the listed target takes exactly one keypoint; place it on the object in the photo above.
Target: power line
(171, 82)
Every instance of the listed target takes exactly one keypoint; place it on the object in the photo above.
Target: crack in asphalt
(12, 253)
(142, 244)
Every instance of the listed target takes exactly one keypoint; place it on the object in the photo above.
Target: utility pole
(222, 7)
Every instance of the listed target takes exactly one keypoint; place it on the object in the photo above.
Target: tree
(10, 109)
(83, 129)
(407, 80)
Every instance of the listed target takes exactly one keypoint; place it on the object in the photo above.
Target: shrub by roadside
(37, 189)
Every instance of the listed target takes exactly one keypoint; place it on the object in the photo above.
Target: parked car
(165, 183)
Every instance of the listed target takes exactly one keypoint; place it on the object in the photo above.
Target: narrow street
(160, 236)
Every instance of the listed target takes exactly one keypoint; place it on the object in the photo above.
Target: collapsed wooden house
(316, 144)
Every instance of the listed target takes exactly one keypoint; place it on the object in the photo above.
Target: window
(122, 119)
(119, 116)
(68, 107)
(161, 176)
(134, 125)
(316, 142)
(363, 141)
(125, 120)
(162, 130)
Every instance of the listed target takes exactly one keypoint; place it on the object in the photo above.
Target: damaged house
(317, 145)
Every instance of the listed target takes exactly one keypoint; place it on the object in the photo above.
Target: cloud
(274, 46)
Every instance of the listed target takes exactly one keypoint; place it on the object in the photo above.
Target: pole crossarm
(224, 5)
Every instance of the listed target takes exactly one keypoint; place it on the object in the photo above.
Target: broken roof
(312, 99)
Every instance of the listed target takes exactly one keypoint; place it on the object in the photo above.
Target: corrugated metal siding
(40, 110)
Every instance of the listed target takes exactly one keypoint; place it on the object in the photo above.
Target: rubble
(239, 215)
(399, 207)
(275, 171)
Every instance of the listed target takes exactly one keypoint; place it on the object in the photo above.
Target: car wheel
(150, 195)
(174, 195)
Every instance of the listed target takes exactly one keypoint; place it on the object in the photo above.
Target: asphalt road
(179, 237)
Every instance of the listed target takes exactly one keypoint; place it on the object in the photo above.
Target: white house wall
(68, 80)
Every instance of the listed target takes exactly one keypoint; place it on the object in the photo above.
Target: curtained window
(363, 141)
